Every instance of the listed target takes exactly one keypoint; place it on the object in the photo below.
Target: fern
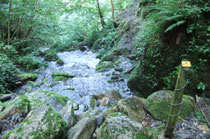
(171, 27)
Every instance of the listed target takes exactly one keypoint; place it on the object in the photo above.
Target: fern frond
(171, 27)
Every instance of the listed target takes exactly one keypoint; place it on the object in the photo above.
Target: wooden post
(177, 98)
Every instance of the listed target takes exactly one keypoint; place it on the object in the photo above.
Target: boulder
(119, 126)
(104, 66)
(84, 129)
(55, 100)
(131, 107)
(41, 122)
(159, 104)
(41, 114)
(112, 95)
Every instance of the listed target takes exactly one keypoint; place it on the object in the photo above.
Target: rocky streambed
(76, 101)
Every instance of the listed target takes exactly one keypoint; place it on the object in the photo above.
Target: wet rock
(7, 97)
(131, 57)
(104, 66)
(131, 107)
(44, 118)
(119, 69)
(159, 103)
(93, 103)
(104, 101)
(84, 129)
(115, 77)
(118, 126)
(76, 106)
(112, 95)
(24, 77)
(85, 108)
(83, 48)
(67, 113)
(55, 100)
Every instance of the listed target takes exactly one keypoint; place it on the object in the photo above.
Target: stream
(86, 83)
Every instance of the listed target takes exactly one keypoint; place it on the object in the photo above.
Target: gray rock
(67, 113)
(84, 129)
(131, 107)
(118, 126)
(44, 118)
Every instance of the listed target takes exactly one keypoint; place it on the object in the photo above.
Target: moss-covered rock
(83, 129)
(131, 107)
(62, 76)
(104, 66)
(118, 126)
(159, 104)
(42, 122)
(46, 115)
(140, 84)
(28, 76)
(55, 100)
(93, 103)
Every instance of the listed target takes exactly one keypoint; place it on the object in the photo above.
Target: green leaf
(171, 27)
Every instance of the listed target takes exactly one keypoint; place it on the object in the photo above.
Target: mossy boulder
(104, 66)
(84, 129)
(45, 114)
(159, 104)
(93, 103)
(41, 122)
(55, 100)
(140, 84)
(24, 77)
(119, 126)
(113, 95)
(131, 107)
(62, 76)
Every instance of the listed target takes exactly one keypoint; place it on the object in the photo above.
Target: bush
(8, 73)
(29, 62)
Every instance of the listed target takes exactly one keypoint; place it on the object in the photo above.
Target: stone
(112, 95)
(131, 107)
(84, 129)
(119, 126)
(2, 106)
(119, 69)
(131, 57)
(55, 100)
(42, 122)
(93, 103)
(115, 77)
(104, 66)
(67, 113)
(76, 106)
(158, 104)
(104, 101)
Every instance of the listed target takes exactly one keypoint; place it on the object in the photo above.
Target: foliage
(181, 31)
(8, 73)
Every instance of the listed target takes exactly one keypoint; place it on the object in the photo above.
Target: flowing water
(86, 83)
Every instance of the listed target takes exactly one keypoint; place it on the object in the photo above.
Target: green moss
(67, 75)
(53, 84)
(2, 104)
(28, 76)
(115, 114)
(61, 99)
(160, 108)
(62, 76)
(72, 89)
(104, 66)
(93, 103)
(55, 125)
(141, 136)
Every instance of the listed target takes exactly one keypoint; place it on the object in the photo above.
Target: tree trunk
(9, 20)
(100, 14)
(112, 3)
